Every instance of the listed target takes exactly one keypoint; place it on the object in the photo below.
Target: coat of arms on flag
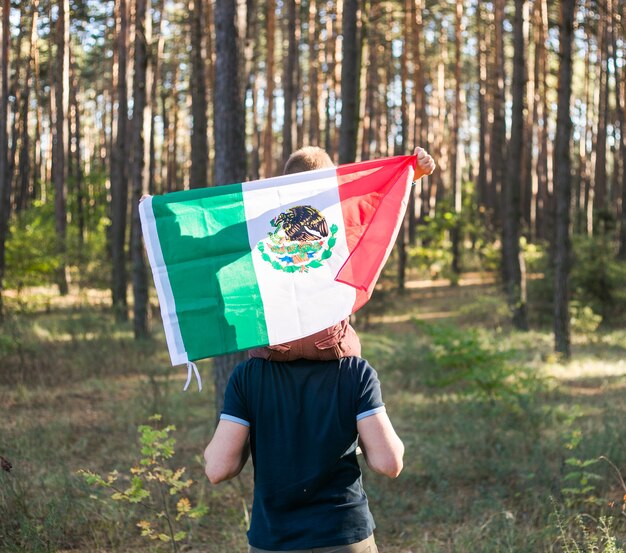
(270, 261)
(300, 240)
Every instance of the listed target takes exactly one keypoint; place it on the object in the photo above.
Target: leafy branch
(154, 486)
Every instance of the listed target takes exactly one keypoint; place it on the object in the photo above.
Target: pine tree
(562, 182)
(230, 152)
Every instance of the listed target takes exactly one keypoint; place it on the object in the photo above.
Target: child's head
(307, 159)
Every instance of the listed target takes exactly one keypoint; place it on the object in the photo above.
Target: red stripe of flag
(374, 196)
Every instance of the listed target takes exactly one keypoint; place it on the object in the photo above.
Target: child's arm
(425, 163)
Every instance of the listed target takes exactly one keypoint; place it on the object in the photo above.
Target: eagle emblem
(300, 240)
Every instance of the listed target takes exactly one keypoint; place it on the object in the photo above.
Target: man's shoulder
(350, 364)
(246, 366)
(358, 364)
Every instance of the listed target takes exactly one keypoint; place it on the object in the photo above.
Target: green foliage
(39, 514)
(432, 256)
(581, 477)
(460, 358)
(534, 255)
(491, 310)
(478, 473)
(31, 251)
(596, 283)
(151, 484)
(580, 480)
(433, 261)
(581, 531)
(597, 278)
(583, 320)
(90, 260)
(584, 534)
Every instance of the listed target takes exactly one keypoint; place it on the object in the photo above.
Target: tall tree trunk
(363, 31)
(539, 53)
(51, 104)
(252, 85)
(139, 168)
(5, 180)
(268, 138)
(421, 120)
(330, 83)
(612, 53)
(620, 100)
(298, 127)
(562, 183)
(498, 145)
(526, 189)
(210, 66)
(315, 50)
(337, 68)
(404, 121)
(582, 173)
(106, 106)
(483, 127)
(440, 142)
(16, 89)
(600, 174)
(60, 138)
(455, 173)
(371, 62)
(167, 144)
(514, 275)
(412, 138)
(172, 156)
(288, 80)
(37, 154)
(350, 71)
(119, 173)
(76, 162)
(230, 150)
(23, 169)
(156, 71)
(199, 138)
(545, 222)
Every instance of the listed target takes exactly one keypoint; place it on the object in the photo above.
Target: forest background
(497, 326)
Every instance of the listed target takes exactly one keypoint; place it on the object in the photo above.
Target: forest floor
(503, 439)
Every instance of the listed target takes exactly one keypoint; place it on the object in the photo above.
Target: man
(303, 419)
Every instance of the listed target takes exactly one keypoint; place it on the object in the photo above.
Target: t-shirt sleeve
(235, 405)
(370, 398)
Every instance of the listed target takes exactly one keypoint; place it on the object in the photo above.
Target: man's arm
(382, 448)
(227, 452)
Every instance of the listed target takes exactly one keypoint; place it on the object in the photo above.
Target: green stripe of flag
(205, 245)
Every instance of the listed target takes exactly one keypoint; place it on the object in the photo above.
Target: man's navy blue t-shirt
(303, 437)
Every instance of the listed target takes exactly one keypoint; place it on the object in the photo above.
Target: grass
(484, 472)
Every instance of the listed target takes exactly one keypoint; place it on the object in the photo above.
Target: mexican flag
(269, 261)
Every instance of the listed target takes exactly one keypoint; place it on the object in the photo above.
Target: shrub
(459, 357)
(490, 311)
(596, 283)
(154, 486)
(31, 251)
(584, 534)
(597, 278)
(583, 320)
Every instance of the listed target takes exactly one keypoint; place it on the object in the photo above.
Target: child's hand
(425, 163)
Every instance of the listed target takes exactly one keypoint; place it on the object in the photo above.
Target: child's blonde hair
(307, 159)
